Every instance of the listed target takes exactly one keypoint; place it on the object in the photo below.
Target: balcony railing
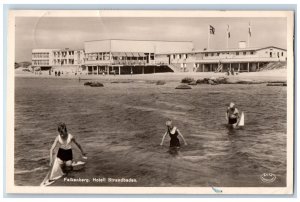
(129, 62)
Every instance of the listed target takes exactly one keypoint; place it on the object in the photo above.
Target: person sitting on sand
(174, 141)
(64, 140)
(232, 114)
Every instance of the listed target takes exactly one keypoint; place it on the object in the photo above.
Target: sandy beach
(270, 75)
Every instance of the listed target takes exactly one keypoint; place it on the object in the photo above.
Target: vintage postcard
(150, 102)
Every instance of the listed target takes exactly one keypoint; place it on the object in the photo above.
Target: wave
(19, 172)
(182, 106)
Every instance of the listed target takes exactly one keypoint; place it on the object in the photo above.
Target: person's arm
(179, 133)
(226, 116)
(163, 138)
(51, 150)
(79, 146)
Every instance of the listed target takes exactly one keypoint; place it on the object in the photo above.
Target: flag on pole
(228, 31)
(211, 29)
(249, 29)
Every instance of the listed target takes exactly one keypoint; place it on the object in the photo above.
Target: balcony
(128, 62)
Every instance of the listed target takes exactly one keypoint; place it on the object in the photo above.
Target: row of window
(40, 62)
(274, 54)
(179, 56)
(40, 55)
(97, 56)
(62, 53)
(124, 58)
(240, 53)
(63, 61)
(227, 53)
(55, 54)
(106, 57)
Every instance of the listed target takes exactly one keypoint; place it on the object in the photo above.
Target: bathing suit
(232, 115)
(174, 142)
(65, 149)
(65, 155)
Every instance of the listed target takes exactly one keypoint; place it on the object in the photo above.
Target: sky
(59, 32)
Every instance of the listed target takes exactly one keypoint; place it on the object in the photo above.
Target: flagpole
(227, 39)
(228, 36)
(208, 37)
(249, 31)
(248, 40)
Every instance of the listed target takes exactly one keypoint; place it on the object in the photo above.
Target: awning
(129, 54)
(142, 55)
(118, 54)
(135, 55)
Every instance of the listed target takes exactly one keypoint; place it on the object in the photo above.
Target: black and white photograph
(155, 102)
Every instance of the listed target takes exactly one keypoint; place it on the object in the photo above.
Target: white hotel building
(58, 59)
(142, 56)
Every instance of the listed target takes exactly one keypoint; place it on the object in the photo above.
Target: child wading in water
(174, 142)
(232, 115)
(64, 154)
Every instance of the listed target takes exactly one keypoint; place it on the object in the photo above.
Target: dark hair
(62, 128)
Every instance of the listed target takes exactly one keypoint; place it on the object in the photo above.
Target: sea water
(120, 126)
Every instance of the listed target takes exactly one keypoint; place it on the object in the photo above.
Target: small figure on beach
(64, 154)
(227, 72)
(55, 73)
(232, 71)
(232, 115)
(174, 141)
(58, 74)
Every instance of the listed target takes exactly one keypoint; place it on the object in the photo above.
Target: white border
(11, 188)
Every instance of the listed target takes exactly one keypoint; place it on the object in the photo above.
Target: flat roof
(240, 49)
(222, 50)
(56, 49)
(43, 49)
(69, 49)
(136, 40)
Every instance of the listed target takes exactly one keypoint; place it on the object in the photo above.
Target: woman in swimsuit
(174, 141)
(232, 115)
(64, 154)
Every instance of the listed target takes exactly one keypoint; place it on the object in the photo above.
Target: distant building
(68, 60)
(241, 59)
(42, 58)
(245, 59)
(124, 56)
(58, 59)
(141, 56)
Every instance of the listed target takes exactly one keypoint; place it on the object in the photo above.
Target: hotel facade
(117, 56)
